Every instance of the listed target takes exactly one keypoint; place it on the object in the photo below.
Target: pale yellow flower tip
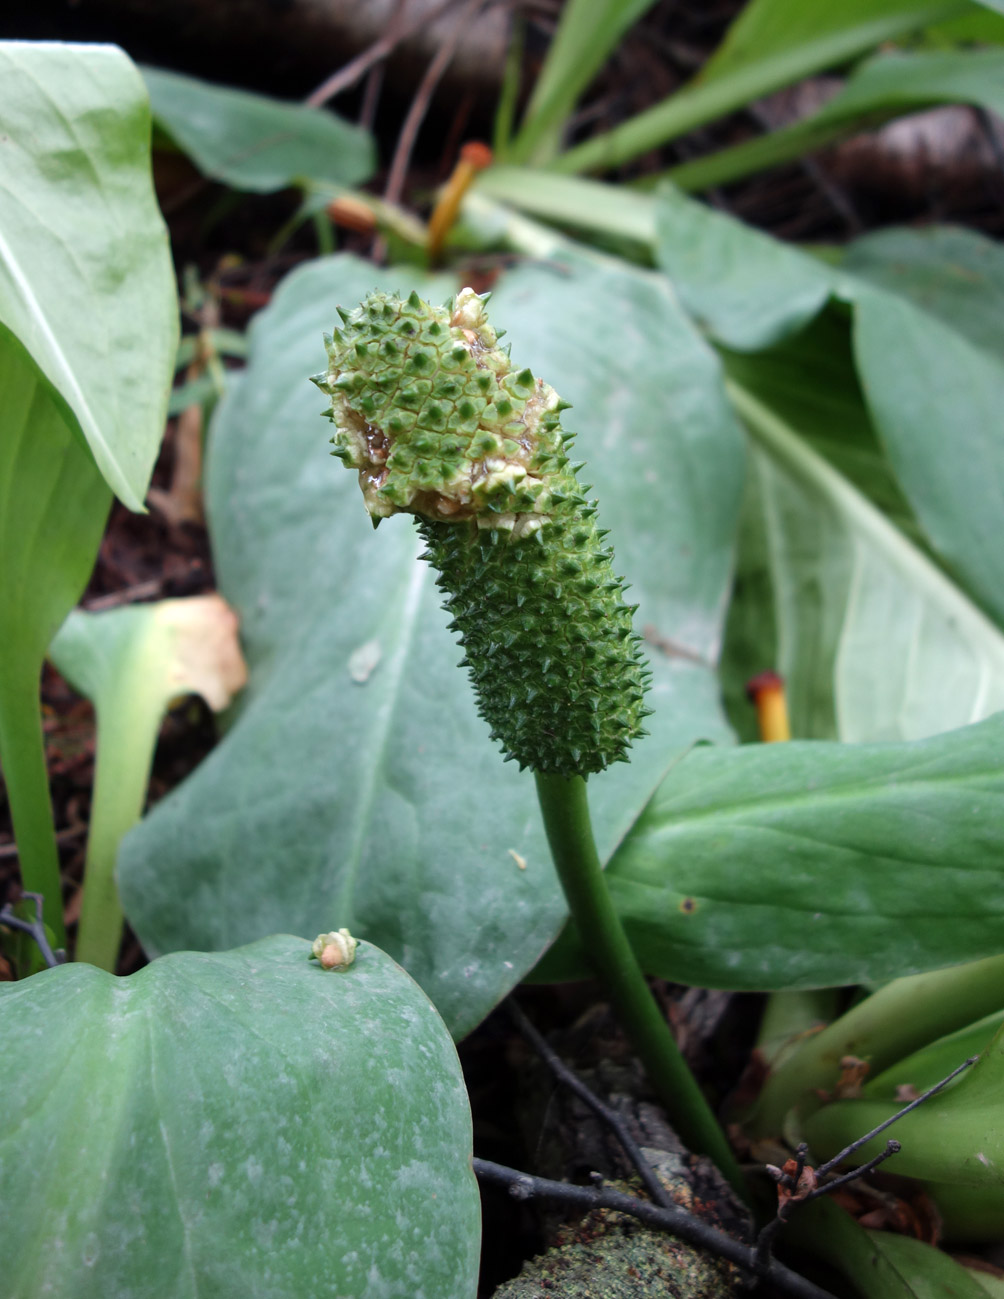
(335, 951)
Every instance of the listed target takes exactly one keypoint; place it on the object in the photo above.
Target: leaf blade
(248, 1099)
(254, 142)
(84, 261)
(859, 863)
(771, 44)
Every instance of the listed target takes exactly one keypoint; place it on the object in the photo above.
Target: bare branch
(605, 1112)
(674, 1220)
(924, 1096)
(36, 928)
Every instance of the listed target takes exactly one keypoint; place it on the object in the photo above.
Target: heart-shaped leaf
(236, 1123)
(378, 792)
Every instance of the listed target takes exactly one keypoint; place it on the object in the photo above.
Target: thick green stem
(789, 1015)
(22, 752)
(569, 832)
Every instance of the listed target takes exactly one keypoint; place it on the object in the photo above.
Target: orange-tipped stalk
(474, 157)
(767, 693)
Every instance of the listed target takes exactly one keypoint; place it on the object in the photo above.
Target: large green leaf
(253, 142)
(954, 275)
(238, 1123)
(928, 345)
(357, 775)
(771, 44)
(85, 273)
(934, 385)
(813, 864)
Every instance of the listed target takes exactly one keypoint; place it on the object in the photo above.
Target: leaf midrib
(396, 667)
(78, 401)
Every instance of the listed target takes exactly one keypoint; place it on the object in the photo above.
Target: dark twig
(371, 97)
(35, 928)
(891, 1148)
(795, 1196)
(605, 1112)
(766, 1237)
(924, 1096)
(678, 1222)
(423, 96)
(397, 31)
(416, 113)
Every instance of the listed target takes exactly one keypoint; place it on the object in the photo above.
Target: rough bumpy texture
(430, 411)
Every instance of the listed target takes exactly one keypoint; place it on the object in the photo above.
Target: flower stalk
(439, 423)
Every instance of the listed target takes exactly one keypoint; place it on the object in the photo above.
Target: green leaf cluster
(799, 460)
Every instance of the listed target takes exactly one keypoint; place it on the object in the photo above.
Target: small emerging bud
(334, 951)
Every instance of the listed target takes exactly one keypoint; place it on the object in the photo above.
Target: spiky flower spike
(430, 411)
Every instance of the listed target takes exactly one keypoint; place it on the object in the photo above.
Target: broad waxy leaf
(382, 797)
(808, 865)
(235, 1123)
(253, 142)
(86, 280)
(938, 403)
(921, 1270)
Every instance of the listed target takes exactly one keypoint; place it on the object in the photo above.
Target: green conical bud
(440, 424)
